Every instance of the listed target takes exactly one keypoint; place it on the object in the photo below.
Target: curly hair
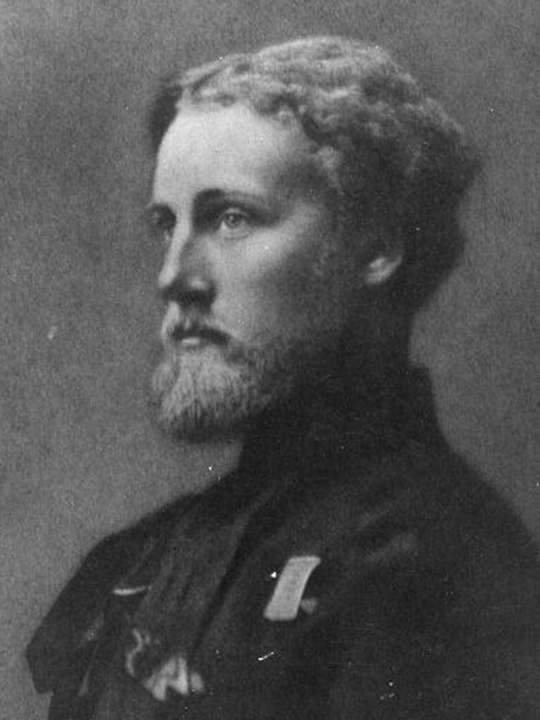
(390, 153)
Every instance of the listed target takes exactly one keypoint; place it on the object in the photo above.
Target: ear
(381, 268)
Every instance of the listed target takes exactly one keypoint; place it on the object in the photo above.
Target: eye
(234, 223)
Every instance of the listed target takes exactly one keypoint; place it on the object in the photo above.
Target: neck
(366, 359)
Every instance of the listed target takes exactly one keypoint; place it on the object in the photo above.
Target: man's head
(293, 188)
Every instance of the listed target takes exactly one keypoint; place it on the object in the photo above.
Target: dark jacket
(352, 567)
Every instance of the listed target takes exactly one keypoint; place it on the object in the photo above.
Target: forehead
(234, 148)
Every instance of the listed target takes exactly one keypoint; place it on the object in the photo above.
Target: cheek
(285, 279)
(292, 256)
(288, 268)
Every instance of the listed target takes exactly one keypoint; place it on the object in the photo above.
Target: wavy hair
(392, 155)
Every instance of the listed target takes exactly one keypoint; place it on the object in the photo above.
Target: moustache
(178, 327)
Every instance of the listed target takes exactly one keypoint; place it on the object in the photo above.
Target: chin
(204, 395)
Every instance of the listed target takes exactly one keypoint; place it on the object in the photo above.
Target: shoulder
(421, 539)
(445, 593)
(458, 528)
(77, 610)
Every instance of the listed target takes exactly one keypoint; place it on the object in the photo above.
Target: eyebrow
(214, 196)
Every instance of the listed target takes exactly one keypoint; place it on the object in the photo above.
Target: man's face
(255, 282)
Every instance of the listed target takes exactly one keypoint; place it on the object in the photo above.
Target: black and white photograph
(270, 375)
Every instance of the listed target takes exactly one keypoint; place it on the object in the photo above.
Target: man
(350, 565)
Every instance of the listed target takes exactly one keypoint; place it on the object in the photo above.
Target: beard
(214, 390)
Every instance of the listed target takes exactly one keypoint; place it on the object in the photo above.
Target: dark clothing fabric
(352, 567)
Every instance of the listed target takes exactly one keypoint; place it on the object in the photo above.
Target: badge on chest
(287, 598)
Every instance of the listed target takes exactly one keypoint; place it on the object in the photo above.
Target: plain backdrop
(78, 310)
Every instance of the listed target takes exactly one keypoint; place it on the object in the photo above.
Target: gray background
(78, 310)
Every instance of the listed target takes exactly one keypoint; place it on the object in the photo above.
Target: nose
(186, 276)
